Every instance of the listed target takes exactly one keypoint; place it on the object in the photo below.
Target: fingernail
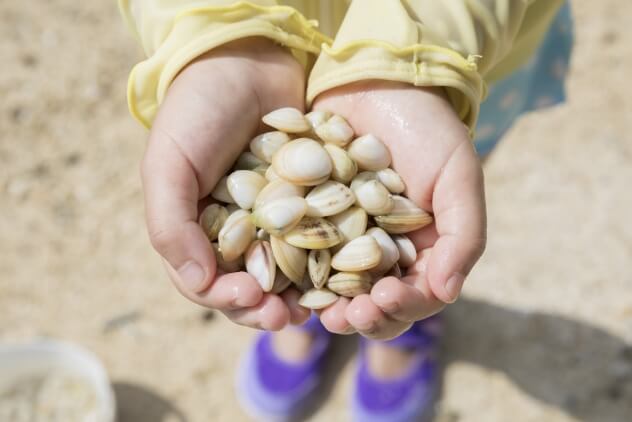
(192, 276)
(453, 286)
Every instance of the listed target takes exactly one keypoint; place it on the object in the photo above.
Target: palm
(433, 154)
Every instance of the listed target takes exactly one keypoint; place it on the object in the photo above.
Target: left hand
(433, 153)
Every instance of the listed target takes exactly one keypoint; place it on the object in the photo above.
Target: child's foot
(396, 380)
(281, 371)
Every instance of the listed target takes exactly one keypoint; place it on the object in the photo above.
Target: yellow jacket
(458, 44)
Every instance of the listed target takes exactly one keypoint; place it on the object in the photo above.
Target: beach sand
(543, 331)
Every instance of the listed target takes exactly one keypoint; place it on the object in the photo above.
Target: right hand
(211, 111)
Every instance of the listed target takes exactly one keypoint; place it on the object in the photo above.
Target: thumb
(459, 210)
(171, 191)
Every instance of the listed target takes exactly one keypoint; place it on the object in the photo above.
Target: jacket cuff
(419, 64)
(196, 31)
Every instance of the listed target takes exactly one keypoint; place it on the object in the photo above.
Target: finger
(228, 291)
(298, 314)
(369, 320)
(171, 198)
(424, 238)
(459, 211)
(406, 300)
(270, 314)
(333, 317)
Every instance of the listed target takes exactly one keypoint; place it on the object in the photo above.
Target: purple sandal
(273, 390)
(405, 399)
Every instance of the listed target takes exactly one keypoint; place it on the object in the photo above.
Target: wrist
(258, 63)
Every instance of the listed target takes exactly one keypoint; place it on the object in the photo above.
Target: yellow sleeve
(448, 43)
(174, 32)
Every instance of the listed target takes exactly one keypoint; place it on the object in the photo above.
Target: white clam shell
(291, 260)
(317, 298)
(267, 144)
(236, 235)
(344, 168)
(281, 282)
(314, 233)
(262, 169)
(407, 250)
(404, 217)
(374, 198)
(362, 253)
(328, 199)
(370, 153)
(352, 223)
(212, 219)
(319, 266)
(260, 264)
(278, 189)
(221, 192)
(272, 175)
(390, 252)
(336, 131)
(350, 284)
(362, 178)
(288, 120)
(279, 216)
(302, 162)
(233, 266)
(244, 187)
(317, 118)
(248, 161)
(391, 180)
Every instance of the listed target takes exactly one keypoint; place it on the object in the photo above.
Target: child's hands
(212, 110)
(433, 154)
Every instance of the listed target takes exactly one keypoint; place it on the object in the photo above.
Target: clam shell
(391, 180)
(233, 266)
(351, 223)
(263, 235)
(328, 199)
(288, 120)
(272, 175)
(362, 253)
(236, 235)
(390, 253)
(395, 271)
(344, 168)
(404, 217)
(302, 162)
(374, 198)
(350, 284)
(248, 161)
(260, 264)
(281, 282)
(317, 298)
(407, 250)
(319, 266)
(335, 131)
(291, 260)
(314, 233)
(244, 186)
(212, 219)
(279, 216)
(370, 153)
(221, 192)
(267, 144)
(276, 190)
(317, 118)
(362, 178)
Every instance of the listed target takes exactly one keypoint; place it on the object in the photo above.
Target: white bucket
(20, 361)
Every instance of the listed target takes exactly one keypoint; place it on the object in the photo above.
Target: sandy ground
(543, 332)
